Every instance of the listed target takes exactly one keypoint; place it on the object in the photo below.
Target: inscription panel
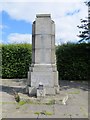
(47, 78)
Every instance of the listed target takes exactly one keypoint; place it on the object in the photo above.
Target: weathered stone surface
(47, 78)
(43, 68)
(41, 93)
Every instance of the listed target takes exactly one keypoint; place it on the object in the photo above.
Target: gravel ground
(76, 105)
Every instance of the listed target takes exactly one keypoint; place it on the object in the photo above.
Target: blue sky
(17, 18)
(13, 26)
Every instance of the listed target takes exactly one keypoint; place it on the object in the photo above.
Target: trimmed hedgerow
(0, 60)
(73, 61)
(16, 59)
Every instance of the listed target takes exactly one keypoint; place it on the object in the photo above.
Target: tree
(84, 33)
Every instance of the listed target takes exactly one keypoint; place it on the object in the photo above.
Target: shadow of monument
(66, 84)
(10, 90)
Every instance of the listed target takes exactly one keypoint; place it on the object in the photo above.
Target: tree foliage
(84, 32)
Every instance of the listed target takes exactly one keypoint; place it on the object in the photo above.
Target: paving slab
(76, 105)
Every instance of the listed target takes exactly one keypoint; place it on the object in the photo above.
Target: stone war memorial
(43, 74)
(39, 96)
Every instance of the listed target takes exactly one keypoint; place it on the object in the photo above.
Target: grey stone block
(43, 68)
(32, 91)
(41, 93)
(50, 91)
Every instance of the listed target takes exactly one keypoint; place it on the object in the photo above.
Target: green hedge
(16, 59)
(73, 61)
(0, 60)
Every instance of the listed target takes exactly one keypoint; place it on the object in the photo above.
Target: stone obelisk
(43, 68)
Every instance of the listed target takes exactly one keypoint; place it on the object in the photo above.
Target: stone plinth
(43, 68)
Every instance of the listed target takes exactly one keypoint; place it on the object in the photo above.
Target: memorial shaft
(43, 68)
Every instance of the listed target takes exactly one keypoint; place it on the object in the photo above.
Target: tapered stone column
(43, 68)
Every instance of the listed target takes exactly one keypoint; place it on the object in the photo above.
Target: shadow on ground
(9, 89)
(66, 84)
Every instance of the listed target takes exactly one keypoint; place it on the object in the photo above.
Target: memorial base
(45, 74)
(47, 91)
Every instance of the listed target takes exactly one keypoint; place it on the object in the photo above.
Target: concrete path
(76, 105)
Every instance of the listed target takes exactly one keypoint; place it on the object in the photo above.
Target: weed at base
(37, 113)
(22, 103)
(48, 113)
(45, 113)
(51, 102)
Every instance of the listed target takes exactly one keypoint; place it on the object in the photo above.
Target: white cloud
(66, 26)
(19, 38)
(42, 1)
(0, 41)
(3, 26)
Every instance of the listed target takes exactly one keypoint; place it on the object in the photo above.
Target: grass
(37, 113)
(45, 113)
(74, 92)
(22, 103)
(48, 113)
(28, 102)
(7, 103)
(51, 102)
